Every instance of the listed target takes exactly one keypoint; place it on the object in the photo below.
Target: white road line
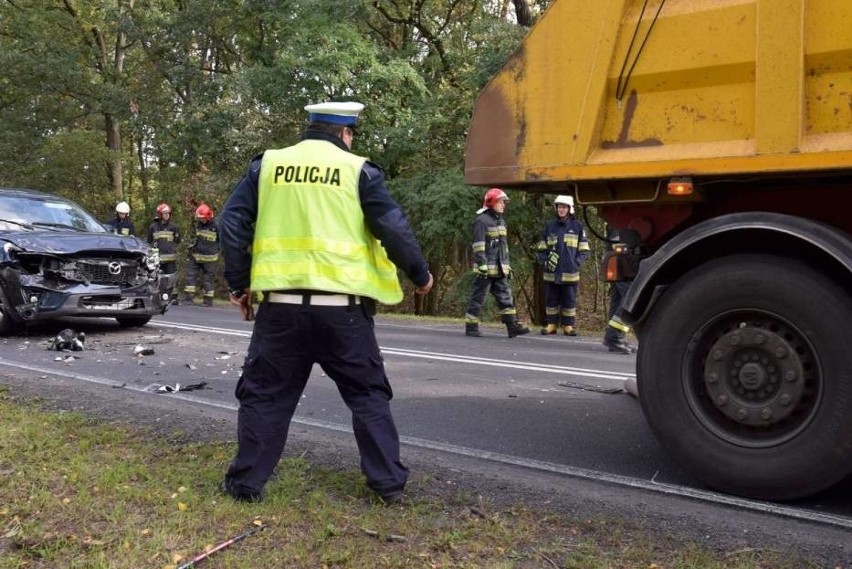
(200, 328)
(543, 466)
(458, 358)
(504, 363)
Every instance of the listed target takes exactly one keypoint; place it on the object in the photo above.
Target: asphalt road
(551, 406)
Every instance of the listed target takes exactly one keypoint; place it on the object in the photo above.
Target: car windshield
(40, 212)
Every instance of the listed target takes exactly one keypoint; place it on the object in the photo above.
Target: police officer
(165, 236)
(314, 228)
(562, 249)
(491, 266)
(121, 223)
(203, 257)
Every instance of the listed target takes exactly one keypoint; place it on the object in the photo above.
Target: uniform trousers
(617, 292)
(560, 301)
(499, 287)
(287, 340)
(207, 272)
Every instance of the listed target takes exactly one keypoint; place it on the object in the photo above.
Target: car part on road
(178, 387)
(68, 339)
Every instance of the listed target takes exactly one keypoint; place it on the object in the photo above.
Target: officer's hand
(552, 260)
(244, 303)
(427, 287)
(481, 271)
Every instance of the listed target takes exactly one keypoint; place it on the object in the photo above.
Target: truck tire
(744, 376)
(132, 321)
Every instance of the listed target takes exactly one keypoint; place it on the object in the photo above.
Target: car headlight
(9, 250)
(152, 260)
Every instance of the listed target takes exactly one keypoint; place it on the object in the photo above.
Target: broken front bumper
(33, 298)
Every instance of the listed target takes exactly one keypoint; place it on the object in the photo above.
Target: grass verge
(78, 493)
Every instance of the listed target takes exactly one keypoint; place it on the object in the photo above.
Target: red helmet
(204, 212)
(163, 208)
(493, 196)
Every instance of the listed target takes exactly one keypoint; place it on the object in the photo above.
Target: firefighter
(615, 335)
(121, 223)
(491, 266)
(561, 251)
(203, 257)
(165, 236)
(314, 227)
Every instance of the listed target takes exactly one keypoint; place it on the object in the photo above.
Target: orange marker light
(680, 187)
(611, 269)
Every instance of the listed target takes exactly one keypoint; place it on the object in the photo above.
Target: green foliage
(197, 87)
(71, 163)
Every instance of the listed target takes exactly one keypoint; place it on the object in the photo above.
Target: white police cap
(345, 113)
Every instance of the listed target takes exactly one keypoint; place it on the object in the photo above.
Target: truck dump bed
(606, 90)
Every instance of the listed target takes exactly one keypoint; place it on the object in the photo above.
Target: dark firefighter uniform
(203, 258)
(165, 236)
(615, 334)
(121, 226)
(491, 270)
(324, 235)
(562, 249)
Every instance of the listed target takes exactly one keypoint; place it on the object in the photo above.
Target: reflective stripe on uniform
(205, 258)
(616, 323)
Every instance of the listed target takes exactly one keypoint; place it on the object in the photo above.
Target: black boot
(515, 328)
(472, 330)
(618, 345)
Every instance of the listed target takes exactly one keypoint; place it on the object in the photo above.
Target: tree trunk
(522, 13)
(114, 171)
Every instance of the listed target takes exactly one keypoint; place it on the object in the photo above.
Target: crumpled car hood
(72, 242)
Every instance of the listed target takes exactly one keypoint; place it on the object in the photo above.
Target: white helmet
(122, 207)
(565, 200)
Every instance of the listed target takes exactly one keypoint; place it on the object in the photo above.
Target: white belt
(312, 299)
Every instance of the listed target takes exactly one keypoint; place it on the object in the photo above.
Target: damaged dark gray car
(57, 260)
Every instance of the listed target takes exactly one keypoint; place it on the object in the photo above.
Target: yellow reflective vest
(310, 231)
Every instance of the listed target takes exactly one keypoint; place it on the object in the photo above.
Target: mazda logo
(114, 268)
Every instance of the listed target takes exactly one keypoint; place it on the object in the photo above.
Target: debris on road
(178, 387)
(141, 350)
(586, 387)
(66, 359)
(68, 340)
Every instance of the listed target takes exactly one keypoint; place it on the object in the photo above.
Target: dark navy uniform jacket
(384, 218)
(121, 226)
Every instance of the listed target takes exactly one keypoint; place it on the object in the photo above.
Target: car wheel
(744, 376)
(7, 325)
(133, 321)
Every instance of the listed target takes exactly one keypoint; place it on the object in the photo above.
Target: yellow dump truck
(716, 136)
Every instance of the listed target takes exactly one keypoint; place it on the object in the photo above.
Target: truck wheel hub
(754, 376)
